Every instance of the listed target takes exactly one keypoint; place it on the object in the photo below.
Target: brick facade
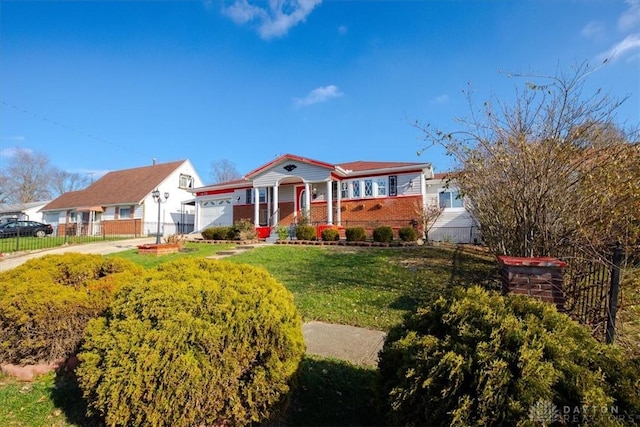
(396, 212)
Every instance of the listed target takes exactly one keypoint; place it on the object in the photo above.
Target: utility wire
(72, 129)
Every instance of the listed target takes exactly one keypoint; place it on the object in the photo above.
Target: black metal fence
(87, 233)
(591, 289)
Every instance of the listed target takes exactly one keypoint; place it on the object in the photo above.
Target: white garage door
(216, 212)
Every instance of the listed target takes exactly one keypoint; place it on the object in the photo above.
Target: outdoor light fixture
(158, 199)
(314, 193)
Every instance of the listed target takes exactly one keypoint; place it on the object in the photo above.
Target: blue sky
(101, 86)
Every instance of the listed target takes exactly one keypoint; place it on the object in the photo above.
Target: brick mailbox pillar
(540, 278)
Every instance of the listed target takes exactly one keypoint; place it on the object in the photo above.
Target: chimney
(154, 161)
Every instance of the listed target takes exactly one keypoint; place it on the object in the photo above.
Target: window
(448, 199)
(248, 197)
(356, 189)
(393, 185)
(344, 189)
(334, 190)
(368, 187)
(382, 186)
(186, 181)
(125, 212)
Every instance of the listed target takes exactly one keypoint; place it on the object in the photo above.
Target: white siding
(305, 171)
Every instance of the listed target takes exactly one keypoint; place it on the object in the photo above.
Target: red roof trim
(214, 192)
(289, 157)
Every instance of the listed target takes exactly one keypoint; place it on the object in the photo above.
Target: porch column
(307, 201)
(276, 210)
(256, 206)
(267, 196)
(339, 204)
(330, 202)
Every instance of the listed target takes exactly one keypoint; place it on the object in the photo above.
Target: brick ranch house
(122, 202)
(361, 193)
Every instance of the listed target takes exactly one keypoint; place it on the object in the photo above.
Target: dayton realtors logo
(546, 413)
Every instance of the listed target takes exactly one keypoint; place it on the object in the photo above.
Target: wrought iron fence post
(17, 238)
(613, 293)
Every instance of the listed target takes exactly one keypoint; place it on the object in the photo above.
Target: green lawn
(372, 287)
(367, 287)
(12, 244)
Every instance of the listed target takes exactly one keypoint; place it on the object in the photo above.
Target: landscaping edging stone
(346, 243)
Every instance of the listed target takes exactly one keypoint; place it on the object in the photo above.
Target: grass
(191, 249)
(367, 287)
(13, 244)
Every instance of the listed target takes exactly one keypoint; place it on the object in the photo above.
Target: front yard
(367, 287)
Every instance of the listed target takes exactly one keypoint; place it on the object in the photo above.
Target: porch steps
(273, 237)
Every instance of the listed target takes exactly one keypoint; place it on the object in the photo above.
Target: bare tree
(224, 170)
(554, 169)
(27, 177)
(63, 181)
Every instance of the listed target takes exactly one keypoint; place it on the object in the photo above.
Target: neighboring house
(22, 211)
(454, 222)
(290, 188)
(122, 202)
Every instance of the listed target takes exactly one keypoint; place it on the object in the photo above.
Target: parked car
(25, 228)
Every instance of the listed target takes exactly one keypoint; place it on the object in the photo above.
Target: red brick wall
(393, 211)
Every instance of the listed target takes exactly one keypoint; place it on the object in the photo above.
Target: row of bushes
(241, 230)
(192, 342)
(382, 234)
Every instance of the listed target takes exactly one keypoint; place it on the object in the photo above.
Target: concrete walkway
(356, 345)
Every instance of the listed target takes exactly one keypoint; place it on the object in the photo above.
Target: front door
(301, 203)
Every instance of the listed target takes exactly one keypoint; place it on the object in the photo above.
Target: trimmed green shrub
(217, 233)
(283, 232)
(46, 303)
(407, 234)
(355, 234)
(196, 342)
(330, 235)
(305, 232)
(244, 230)
(384, 233)
(479, 358)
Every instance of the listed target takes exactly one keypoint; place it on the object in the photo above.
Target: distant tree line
(29, 176)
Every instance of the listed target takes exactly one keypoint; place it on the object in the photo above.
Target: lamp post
(158, 199)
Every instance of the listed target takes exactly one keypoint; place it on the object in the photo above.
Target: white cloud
(318, 95)
(440, 99)
(630, 19)
(342, 30)
(274, 20)
(630, 46)
(593, 29)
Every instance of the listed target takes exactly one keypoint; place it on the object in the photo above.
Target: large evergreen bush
(197, 342)
(46, 303)
(483, 359)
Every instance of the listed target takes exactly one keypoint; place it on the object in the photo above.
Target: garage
(216, 212)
